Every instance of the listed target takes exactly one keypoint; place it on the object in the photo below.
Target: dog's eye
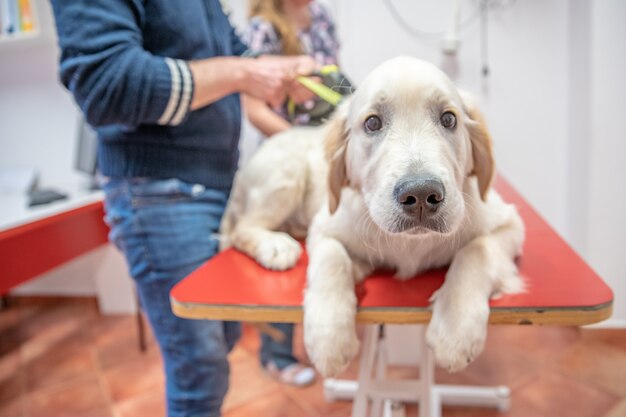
(373, 123)
(448, 120)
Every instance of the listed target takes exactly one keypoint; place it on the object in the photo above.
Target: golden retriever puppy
(400, 179)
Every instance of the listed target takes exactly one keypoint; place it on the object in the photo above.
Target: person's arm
(215, 78)
(115, 81)
(104, 65)
(266, 120)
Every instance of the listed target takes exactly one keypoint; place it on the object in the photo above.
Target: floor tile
(551, 394)
(110, 329)
(116, 341)
(124, 352)
(239, 353)
(74, 399)
(599, 363)
(57, 367)
(275, 404)
(545, 343)
(149, 405)
(498, 364)
(11, 376)
(13, 408)
(44, 312)
(618, 411)
(76, 363)
(105, 412)
(134, 378)
(312, 399)
(9, 315)
(247, 382)
(547, 395)
(472, 412)
(613, 337)
(69, 334)
(10, 337)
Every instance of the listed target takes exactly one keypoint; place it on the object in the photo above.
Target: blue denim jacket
(125, 62)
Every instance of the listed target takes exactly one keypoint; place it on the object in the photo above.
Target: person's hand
(271, 78)
(299, 93)
(265, 79)
(292, 65)
(301, 65)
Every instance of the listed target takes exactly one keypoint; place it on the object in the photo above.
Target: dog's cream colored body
(276, 195)
(341, 181)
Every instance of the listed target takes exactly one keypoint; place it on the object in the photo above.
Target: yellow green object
(322, 91)
(330, 90)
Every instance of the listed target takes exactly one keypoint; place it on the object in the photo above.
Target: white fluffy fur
(284, 191)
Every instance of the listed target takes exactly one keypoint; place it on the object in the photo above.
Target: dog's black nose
(420, 196)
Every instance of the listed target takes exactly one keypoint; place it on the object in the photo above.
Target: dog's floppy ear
(335, 150)
(482, 147)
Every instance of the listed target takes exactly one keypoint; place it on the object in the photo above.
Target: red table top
(562, 288)
(35, 247)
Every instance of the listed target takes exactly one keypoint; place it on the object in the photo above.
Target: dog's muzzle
(420, 197)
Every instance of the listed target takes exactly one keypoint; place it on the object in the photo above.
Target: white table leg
(460, 395)
(426, 392)
(380, 373)
(366, 368)
(429, 404)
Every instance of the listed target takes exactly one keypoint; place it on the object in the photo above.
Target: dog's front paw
(456, 340)
(278, 251)
(330, 347)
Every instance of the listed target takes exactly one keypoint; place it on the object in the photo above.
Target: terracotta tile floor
(59, 357)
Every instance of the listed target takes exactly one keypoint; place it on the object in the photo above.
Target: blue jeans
(281, 353)
(164, 228)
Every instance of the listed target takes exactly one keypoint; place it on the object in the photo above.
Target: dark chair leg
(141, 330)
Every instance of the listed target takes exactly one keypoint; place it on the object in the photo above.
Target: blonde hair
(272, 11)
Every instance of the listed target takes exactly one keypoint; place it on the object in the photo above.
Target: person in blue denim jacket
(160, 82)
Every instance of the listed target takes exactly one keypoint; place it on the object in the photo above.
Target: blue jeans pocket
(164, 227)
(147, 192)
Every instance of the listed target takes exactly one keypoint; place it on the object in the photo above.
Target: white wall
(550, 98)
(605, 195)
(38, 119)
(524, 97)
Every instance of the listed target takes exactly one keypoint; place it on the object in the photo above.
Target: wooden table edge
(560, 316)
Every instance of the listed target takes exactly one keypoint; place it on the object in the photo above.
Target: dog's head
(408, 141)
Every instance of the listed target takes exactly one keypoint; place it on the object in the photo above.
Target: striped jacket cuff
(181, 92)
